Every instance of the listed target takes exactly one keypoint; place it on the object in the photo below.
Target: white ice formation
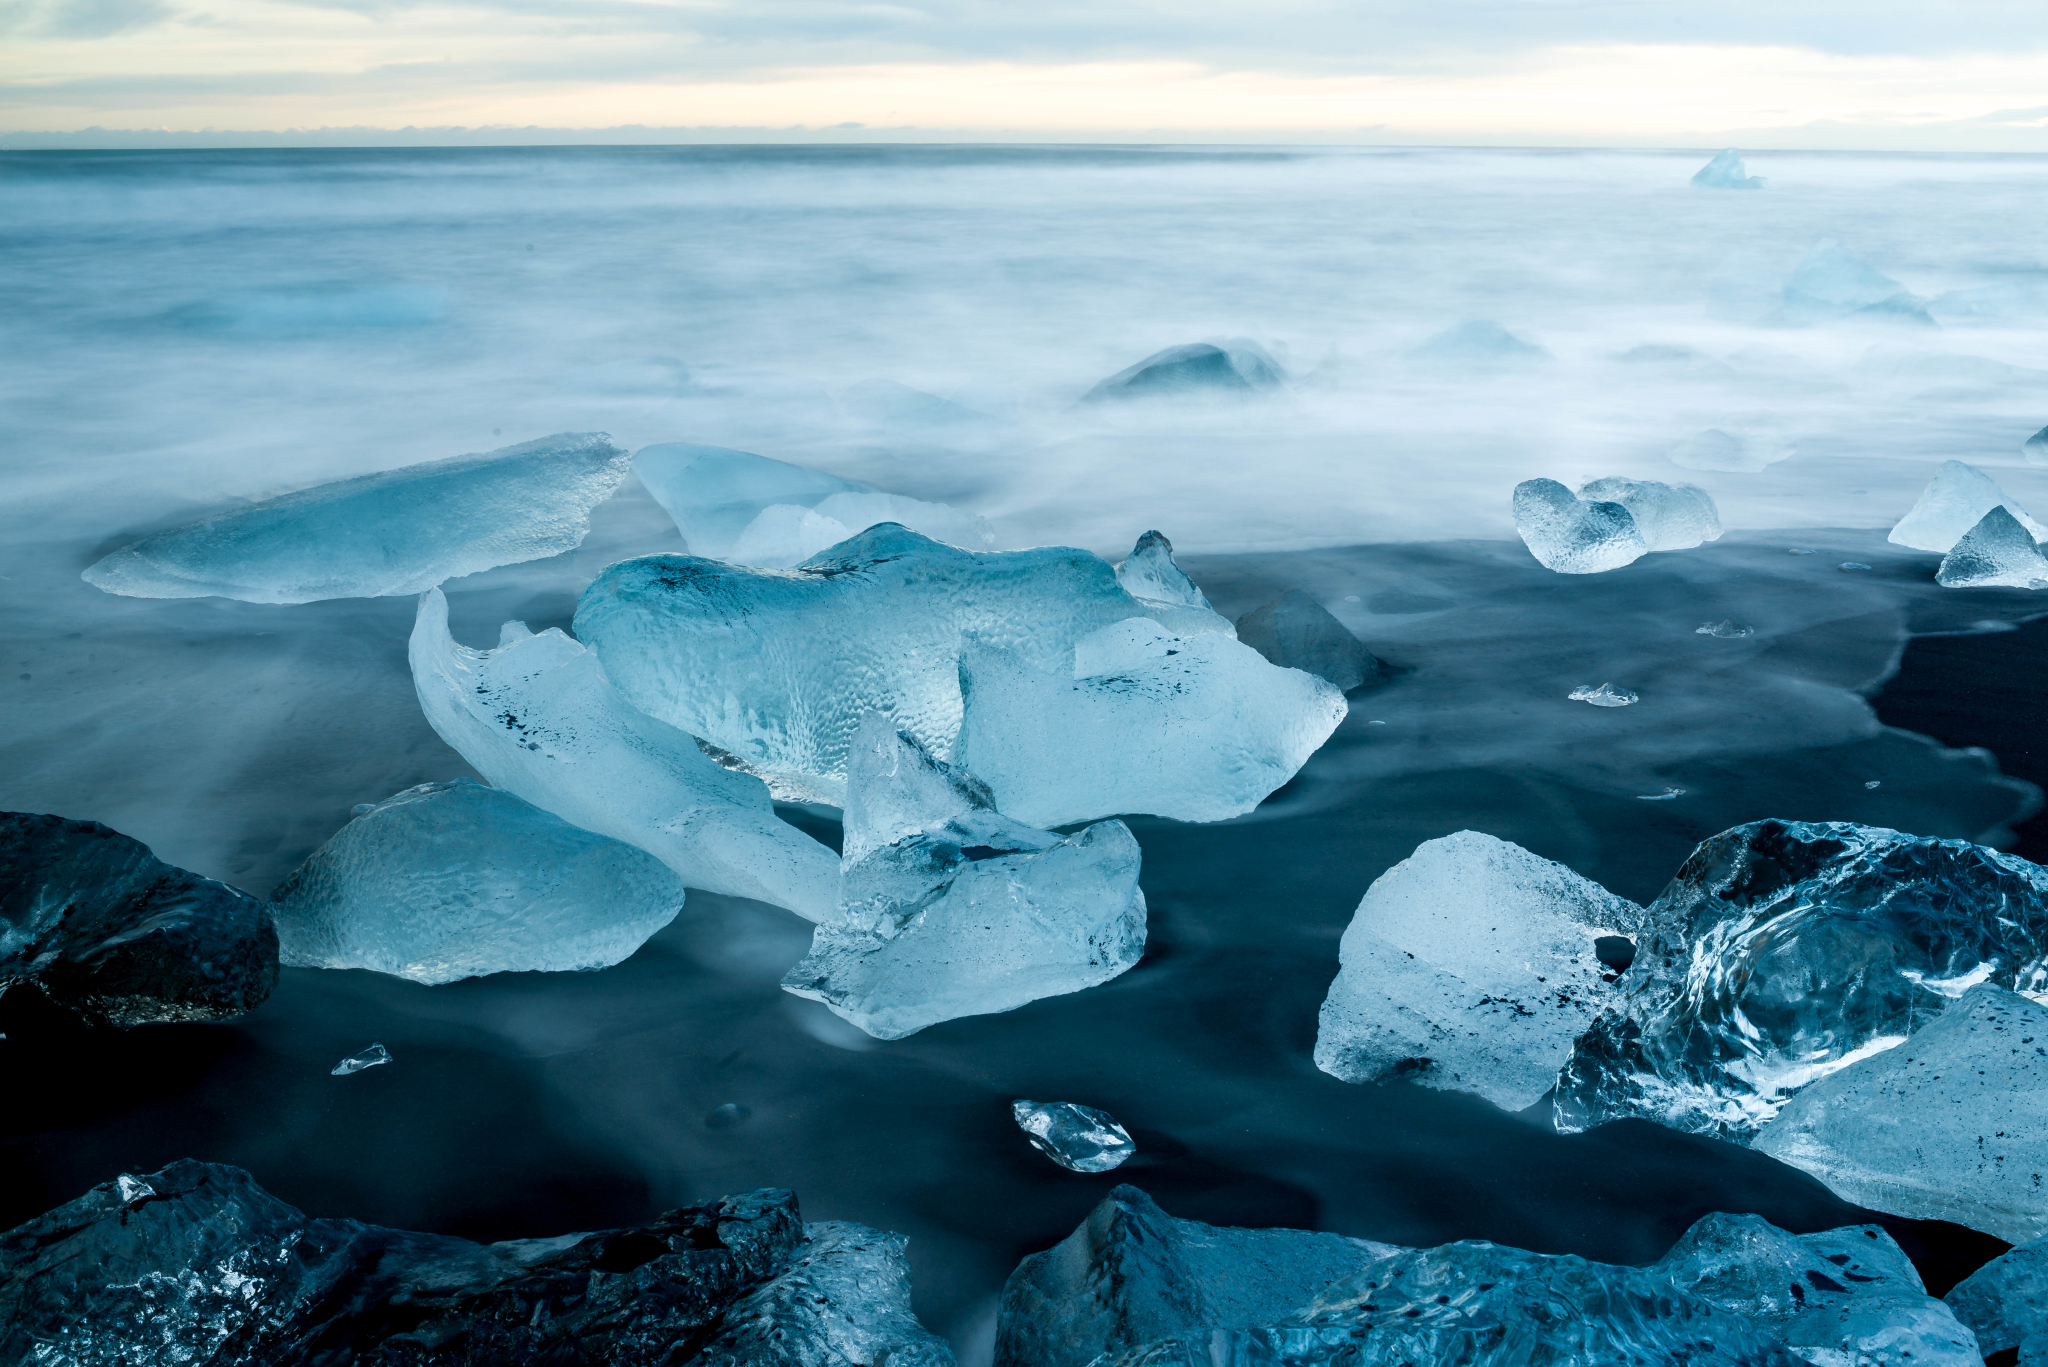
(538, 718)
(1603, 695)
(1831, 281)
(1078, 1138)
(1950, 1125)
(361, 1059)
(1726, 172)
(1471, 965)
(1237, 367)
(1571, 536)
(1953, 502)
(1671, 517)
(453, 880)
(949, 908)
(396, 532)
(1997, 552)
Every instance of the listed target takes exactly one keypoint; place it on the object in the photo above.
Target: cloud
(74, 19)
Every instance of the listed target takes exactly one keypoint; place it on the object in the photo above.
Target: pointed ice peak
(1953, 502)
(1151, 573)
(2036, 448)
(896, 791)
(1997, 552)
(510, 632)
(1726, 172)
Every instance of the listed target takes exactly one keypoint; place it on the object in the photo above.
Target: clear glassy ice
(361, 1059)
(1079, 1138)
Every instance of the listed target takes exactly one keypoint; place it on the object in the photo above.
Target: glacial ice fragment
(1479, 344)
(1294, 631)
(1667, 795)
(2005, 1302)
(109, 933)
(538, 718)
(1471, 965)
(1953, 502)
(2035, 448)
(1845, 1297)
(1671, 517)
(1131, 1274)
(1727, 629)
(377, 536)
(1150, 572)
(1238, 367)
(1603, 695)
(1952, 1124)
(714, 492)
(131, 1188)
(777, 667)
(1785, 950)
(948, 908)
(1997, 552)
(1717, 449)
(1831, 281)
(1197, 728)
(1726, 172)
(1078, 1138)
(361, 1059)
(452, 880)
(1570, 536)
(784, 534)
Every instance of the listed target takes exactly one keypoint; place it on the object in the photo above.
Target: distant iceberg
(1726, 172)
(1831, 281)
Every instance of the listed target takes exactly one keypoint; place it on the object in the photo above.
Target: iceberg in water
(1726, 172)
(1831, 281)
(1950, 1125)
(397, 532)
(538, 718)
(949, 908)
(1294, 631)
(1997, 552)
(453, 880)
(1671, 517)
(1471, 965)
(1953, 502)
(1078, 1138)
(1235, 367)
(1571, 536)
(1785, 950)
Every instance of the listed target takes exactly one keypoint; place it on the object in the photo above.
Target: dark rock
(1296, 632)
(115, 936)
(1238, 366)
(197, 1263)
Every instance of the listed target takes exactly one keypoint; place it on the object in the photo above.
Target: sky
(1965, 75)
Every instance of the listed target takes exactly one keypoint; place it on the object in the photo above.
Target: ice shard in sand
(949, 908)
(1078, 1138)
(1471, 965)
(453, 880)
(1726, 172)
(1952, 1124)
(2005, 1302)
(1953, 503)
(538, 718)
(1784, 951)
(1997, 552)
(1571, 536)
(396, 532)
(1294, 631)
(1671, 517)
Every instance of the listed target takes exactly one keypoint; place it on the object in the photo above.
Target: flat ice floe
(377, 536)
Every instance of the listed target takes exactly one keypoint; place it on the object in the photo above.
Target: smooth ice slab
(1234, 367)
(1131, 1274)
(114, 936)
(948, 908)
(1471, 965)
(1150, 572)
(1078, 1138)
(1953, 503)
(377, 536)
(2005, 1302)
(453, 880)
(1997, 552)
(777, 667)
(1785, 950)
(1571, 536)
(538, 718)
(1726, 172)
(1198, 728)
(1671, 517)
(361, 1059)
(1950, 1125)
(1294, 631)
(1831, 281)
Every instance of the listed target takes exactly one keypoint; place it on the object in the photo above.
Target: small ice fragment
(1671, 517)
(1606, 695)
(132, 1189)
(1873, 783)
(1375, 722)
(1797, 551)
(1854, 565)
(1238, 367)
(2036, 448)
(1570, 535)
(1151, 573)
(361, 1059)
(728, 1116)
(1996, 553)
(1727, 629)
(1726, 172)
(1079, 1138)
(1664, 796)
(1353, 598)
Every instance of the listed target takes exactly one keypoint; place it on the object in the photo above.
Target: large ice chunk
(452, 880)
(1198, 728)
(1132, 1274)
(111, 934)
(1570, 536)
(2005, 1302)
(1726, 172)
(1471, 965)
(1294, 631)
(1671, 517)
(397, 532)
(777, 667)
(1785, 950)
(1950, 1125)
(949, 908)
(1997, 552)
(1237, 366)
(538, 718)
(1845, 1297)
(1953, 502)
(1831, 281)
